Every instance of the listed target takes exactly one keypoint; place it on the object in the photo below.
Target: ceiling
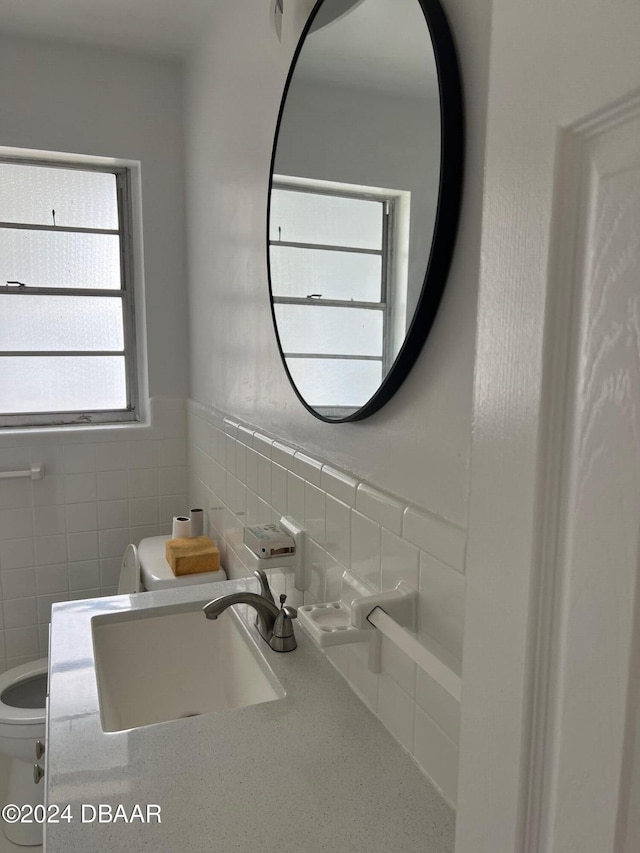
(162, 27)
(383, 45)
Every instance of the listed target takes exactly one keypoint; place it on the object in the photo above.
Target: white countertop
(312, 772)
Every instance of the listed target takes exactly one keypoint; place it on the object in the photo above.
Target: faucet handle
(291, 612)
(265, 589)
(283, 638)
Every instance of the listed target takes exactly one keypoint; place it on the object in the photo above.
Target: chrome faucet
(273, 622)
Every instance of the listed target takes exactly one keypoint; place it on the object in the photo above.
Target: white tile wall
(63, 537)
(244, 476)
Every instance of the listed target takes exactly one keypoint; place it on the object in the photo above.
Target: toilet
(23, 689)
(23, 693)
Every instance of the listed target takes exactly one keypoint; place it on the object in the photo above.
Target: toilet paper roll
(197, 522)
(181, 527)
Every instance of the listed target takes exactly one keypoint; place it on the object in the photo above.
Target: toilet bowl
(23, 693)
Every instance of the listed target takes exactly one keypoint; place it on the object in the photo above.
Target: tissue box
(192, 556)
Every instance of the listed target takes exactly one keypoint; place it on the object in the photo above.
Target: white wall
(61, 97)
(64, 536)
(418, 446)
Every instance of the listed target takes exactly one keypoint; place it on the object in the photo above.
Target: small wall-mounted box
(268, 540)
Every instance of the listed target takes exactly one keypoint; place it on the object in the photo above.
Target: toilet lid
(129, 572)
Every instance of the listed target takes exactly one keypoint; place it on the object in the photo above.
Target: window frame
(126, 293)
(395, 206)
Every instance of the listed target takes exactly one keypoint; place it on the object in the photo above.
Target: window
(67, 351)
(333, 288)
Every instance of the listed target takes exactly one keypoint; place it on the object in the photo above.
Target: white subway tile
(79, 488)
(279, 488)
(170, 506)
(338, 530)
(283, 454)
(230, 427)
(145, 531)
(78, 458)
(365, 682)
(245, 435)
(112, 543)
(365, 548)
(380, 507)
(230, 454)
(112, 485)
(314, 513)
(172, 481)
(50, 550)
(400, 561)
(339, 484)
(82, 546)
(49, 520)
(252, 508)
(143, 511)
(16, 554)
(143, 454)
(252, 470)
(18, 583)
(241, 462)
(111, 456)
(172, 452)
(109, 573)
(295, 497)
(437, 755)
(85, 575)
(262, 444)
(308, 468)
(112, 514)
(16, 523)
(52, 579)
(315, 566)
(15, 494)
(46, 602)
(333, 578)
(441, 603)
(47, 455)
(144, 483)
(264, 478)
(21, 642)
(439, 538)
(397, 710)
(81, 517)
(48, 491)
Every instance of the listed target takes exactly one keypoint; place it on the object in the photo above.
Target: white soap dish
(330, 624)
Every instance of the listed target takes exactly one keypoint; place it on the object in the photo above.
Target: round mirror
(364, 199)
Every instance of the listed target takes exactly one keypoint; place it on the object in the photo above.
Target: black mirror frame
(447, 213)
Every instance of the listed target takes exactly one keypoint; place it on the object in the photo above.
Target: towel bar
(36, 472)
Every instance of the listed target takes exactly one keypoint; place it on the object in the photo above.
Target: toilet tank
(156, 573)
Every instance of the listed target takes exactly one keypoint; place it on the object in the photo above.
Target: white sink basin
(169, 663)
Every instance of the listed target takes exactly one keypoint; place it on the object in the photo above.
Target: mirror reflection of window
(336, 290)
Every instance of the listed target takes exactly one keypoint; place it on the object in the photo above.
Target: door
(550, 739)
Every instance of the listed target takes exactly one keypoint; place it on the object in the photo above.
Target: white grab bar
(432, 664)
(36, 472)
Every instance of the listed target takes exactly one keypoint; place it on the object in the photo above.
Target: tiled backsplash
(242, 476)
(64, 536)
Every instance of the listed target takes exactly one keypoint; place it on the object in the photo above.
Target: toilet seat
(12, 717)
(129, 582)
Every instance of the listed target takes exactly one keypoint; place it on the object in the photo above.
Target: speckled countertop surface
(312, 772)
